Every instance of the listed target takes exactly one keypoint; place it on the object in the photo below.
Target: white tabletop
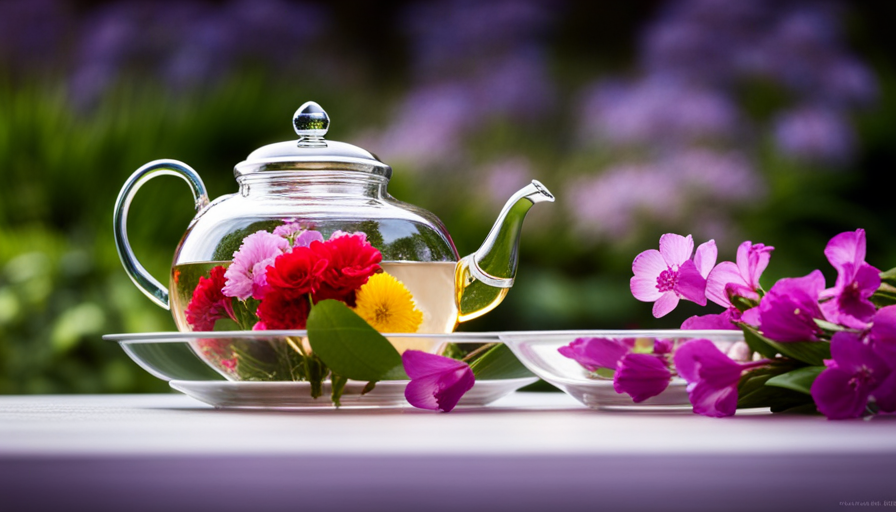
(529, 451)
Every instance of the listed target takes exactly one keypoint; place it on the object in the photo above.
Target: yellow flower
(387, 305)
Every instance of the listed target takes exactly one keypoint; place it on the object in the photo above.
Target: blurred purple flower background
(695, 60)
(763, 120)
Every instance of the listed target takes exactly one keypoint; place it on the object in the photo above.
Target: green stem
(474, 354)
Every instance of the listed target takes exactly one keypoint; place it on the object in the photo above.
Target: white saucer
(297, 395)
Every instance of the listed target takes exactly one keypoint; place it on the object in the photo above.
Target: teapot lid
(311, 151)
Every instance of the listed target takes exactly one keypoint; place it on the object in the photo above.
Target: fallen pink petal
(437, 382)
(641, 376)
(594, 353)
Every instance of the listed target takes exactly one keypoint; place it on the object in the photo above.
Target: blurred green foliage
(62, 286)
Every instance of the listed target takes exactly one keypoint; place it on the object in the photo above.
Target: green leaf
(884, 296)
(888, 278)
(791, 401)
(499, 363)
(758, 342)
(350, 346)
(805, 408)
(810, 352)
(829, 326)
(604, 373)
(800, 379)
(244, 311)
(453, 351)
(776, 399)
(742, 303)
(751, 390)
(338, 383)
(315, 372)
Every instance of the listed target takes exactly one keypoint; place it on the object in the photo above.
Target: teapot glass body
(416, 248)
(295, 193)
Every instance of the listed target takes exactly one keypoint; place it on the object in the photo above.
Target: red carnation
(296, 273)
(281, 311)
(208, 304)
(352, 260)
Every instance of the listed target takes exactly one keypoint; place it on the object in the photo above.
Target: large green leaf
(753, 393)
(757, 342)
(751, 388)
(884, 296)
(499, 363)
(829, 326)
(888, 278)
(810, 352)
(350, 346)
(800, 379)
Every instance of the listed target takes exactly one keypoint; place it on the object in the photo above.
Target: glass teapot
(328, 188)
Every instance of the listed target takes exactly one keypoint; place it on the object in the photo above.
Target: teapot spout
(483, 278)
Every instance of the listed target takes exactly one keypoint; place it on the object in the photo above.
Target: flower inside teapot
(313, 220)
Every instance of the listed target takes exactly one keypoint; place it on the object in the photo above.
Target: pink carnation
(246, 275)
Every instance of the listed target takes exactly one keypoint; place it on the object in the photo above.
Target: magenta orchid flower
(728, 279)
(245, 277)
(437, 382)
(724, 320)
(882, 337)
(594, 353)
(853, 375)
(883, 334)
(712, 377)
(666, 276)
(641, 376)
(789, 309)
(849, 302)
(741, 278)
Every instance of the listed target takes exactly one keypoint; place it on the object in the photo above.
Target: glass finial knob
(311, 123)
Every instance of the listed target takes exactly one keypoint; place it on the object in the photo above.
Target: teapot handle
(148, 284)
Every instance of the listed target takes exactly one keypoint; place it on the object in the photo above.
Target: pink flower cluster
(862, 338)
(284, 270)
(668, 275)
